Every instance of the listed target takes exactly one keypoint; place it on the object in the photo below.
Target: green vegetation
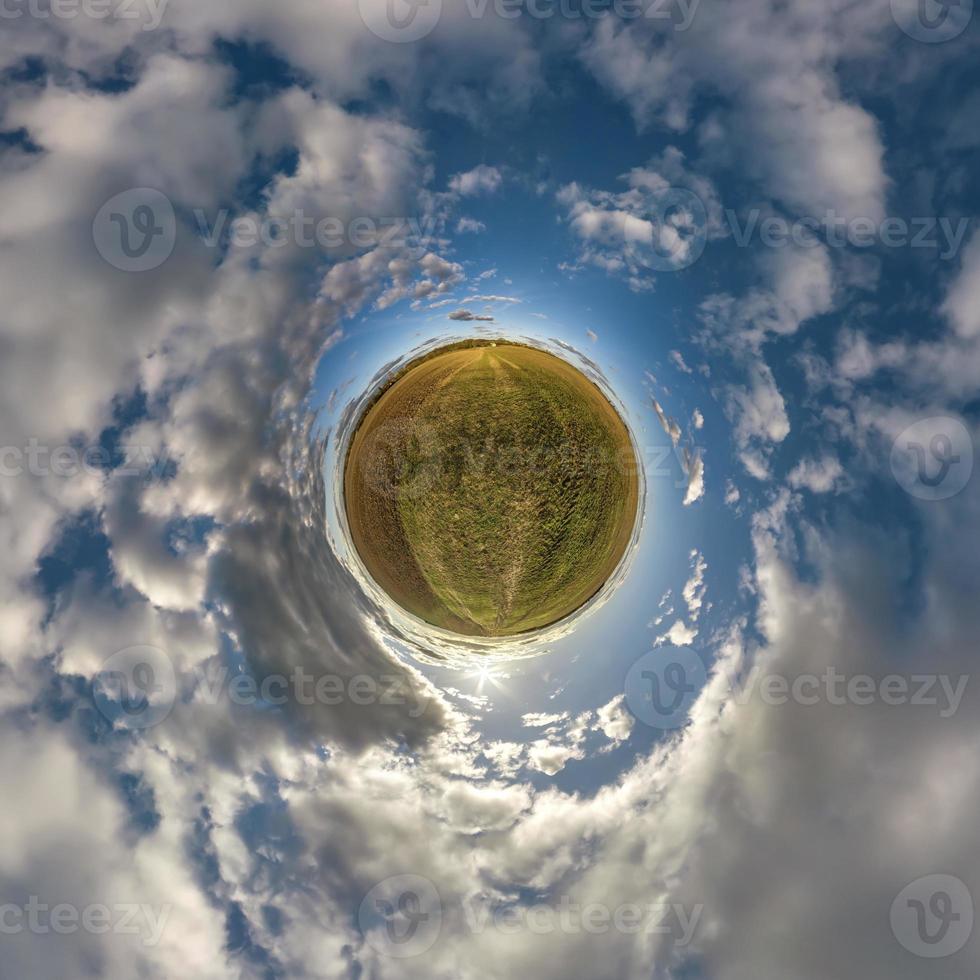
(491, 489)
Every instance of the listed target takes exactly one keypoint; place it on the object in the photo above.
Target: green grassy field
(491, 490)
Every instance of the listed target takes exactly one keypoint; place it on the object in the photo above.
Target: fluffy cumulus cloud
(210, 531)
(479, 180)
(659, 223)
(765, 834)
(788, 121)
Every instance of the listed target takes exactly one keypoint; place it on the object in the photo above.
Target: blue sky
(224, 752)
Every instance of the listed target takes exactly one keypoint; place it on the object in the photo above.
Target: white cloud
(670, 426)
(788, 122)
(800, 286)
(758, 413)
(551, 757)
(824, 475)
(234, 816)
(678, 360)
(614, 720)
(962, 303)
(661, 222)
(541, 720)
(681, 634)
(690, 458)
(94, 861)
(694, 588)
(470, 226)
(694, 466)
(475, 809)
(479, 180)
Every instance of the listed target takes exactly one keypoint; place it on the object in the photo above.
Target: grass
(491, 489)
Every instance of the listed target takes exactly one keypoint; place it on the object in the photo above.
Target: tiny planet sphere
(491, 488)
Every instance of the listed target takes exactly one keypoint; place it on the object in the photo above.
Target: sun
(488, 675)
